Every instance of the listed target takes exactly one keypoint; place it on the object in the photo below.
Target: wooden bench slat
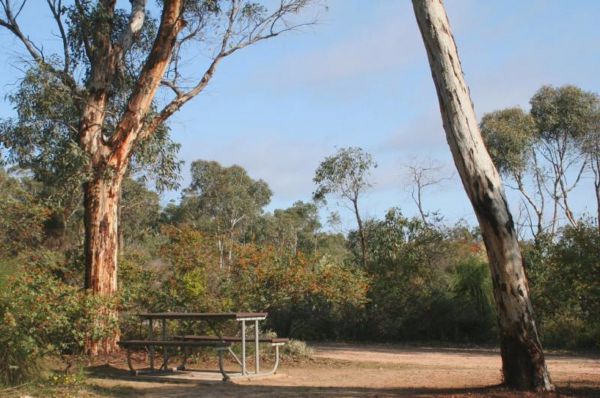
(230, 339)
(174, 343)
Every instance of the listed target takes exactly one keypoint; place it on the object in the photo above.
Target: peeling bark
(102, 196)
(523, 361)
(109, 159)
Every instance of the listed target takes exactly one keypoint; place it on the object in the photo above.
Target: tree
(563, 116)
(346, 174)
(43, 142)
(21, 217)
(553, 144)
(509, 135)
(222, 200)
(294, 229)
(591, 147)
(421, 176)
(113, 62)
(139, 212)
(523, 361)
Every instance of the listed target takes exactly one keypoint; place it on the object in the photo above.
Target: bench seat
(230, 339)
(186, 345)
(174, 343)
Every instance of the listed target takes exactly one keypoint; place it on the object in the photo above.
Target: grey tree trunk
(523, 363)
(361, 232)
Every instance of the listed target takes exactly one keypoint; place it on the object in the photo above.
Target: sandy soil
(342, 370)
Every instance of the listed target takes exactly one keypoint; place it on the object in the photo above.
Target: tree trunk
(595, 164)
(597, 186)
(361, 233)
(523, 361)
(101, 243)
(221, 247)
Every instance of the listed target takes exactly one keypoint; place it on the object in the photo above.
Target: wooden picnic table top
(238, 316)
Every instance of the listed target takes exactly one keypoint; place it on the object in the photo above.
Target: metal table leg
(244, 347)
(165, 353)
(256, 348)
(151, 348)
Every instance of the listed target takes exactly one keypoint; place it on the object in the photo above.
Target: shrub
(40, 316)
(296, 350)
(564, 279)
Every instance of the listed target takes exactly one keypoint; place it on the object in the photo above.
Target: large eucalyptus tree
(523, 363)
(110, 66)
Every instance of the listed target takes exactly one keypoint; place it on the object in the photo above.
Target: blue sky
(360, 78)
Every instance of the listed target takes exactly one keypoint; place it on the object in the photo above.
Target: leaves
(346, 174)
(509, 136)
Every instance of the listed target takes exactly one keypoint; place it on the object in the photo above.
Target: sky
(360, 77)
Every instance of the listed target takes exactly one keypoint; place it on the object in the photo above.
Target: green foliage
(427, 283)
(21, 217)
(222, 199)
(472, 299)
(140, 212)
(563, 112)
(190, 275)
(509, 136)
(296, 349)
(421, 282)
(564, 281)
(138, 280)
(345, 174)
(294, 229)
(42, 316)
(547, 150)
(43, 139)
(306, 298)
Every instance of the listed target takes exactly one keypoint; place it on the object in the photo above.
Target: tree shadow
(181, 387)
(404, 349)
(227, 390)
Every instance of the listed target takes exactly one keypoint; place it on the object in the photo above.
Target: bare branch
(56, 10)
(422, 175)
(171, 84)
(36, 53)
(10, 23)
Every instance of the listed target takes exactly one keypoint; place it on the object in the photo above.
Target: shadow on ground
(154, 386)
(228, 390)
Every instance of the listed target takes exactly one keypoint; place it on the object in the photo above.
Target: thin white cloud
(389, 43)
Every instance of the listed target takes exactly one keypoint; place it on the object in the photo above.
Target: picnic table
(222, 344)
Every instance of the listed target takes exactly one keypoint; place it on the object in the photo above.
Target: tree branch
(11, 24)
(127, 131)
(56, 10)
(136, 21)
(256, 34)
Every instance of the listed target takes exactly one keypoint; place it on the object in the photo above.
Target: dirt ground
(343, 370)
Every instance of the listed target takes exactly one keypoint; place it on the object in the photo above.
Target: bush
(296, 350)
(564, 279)
(472, 300)
(307, 297)
(42, 316)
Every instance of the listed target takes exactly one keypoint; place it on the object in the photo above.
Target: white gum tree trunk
(523, 363)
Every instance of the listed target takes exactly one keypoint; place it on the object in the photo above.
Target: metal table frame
(212, 319)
